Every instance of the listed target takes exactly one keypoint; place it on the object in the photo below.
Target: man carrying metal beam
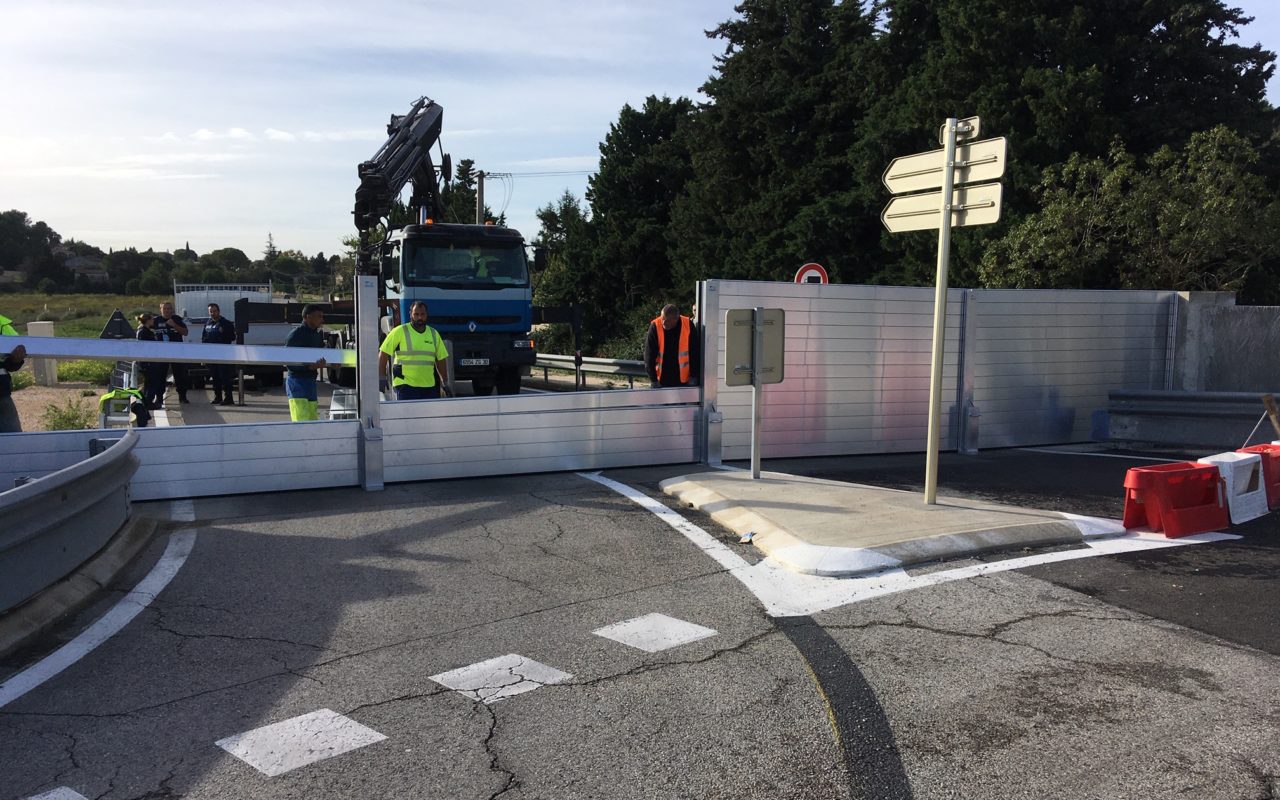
(13, 361)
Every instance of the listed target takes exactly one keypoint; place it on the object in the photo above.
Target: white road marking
(786, 594)
(1097, 455)
(107, 626)
(500, 678)
(161, 417)
(654, 632)
(61, 793)
(285, 746)
(182, 511)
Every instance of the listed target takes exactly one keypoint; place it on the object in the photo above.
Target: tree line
(51, 265)
(1142, 154)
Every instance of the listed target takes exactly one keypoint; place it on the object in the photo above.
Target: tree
(644, 166)
(1195, 218)
(459, 196)
(270, 252)
(24, 243)
(155, 280)
(772, 182)
(1056, 79)
(229, 259)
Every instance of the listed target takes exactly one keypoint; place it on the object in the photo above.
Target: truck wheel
(508, 380)
(481, 388)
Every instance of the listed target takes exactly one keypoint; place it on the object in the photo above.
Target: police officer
(171, 328)
(418, 351)
(219, 330)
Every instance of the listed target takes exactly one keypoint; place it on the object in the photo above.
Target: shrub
(73, 415)
(22, 380)
(86, 371)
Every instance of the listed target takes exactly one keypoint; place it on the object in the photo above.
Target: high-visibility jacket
(686, 327)
(6, 327)
(416, 354)
(118, 394)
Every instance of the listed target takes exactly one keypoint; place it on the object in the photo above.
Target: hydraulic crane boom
(405, 157)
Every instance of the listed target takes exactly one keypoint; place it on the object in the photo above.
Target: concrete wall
(1222, 347)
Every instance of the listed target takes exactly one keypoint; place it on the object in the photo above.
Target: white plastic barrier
(1246, 491)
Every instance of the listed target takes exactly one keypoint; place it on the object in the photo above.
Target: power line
(545, 174)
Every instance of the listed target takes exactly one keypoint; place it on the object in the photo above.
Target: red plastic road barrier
(1270, 454)
(1179, 499)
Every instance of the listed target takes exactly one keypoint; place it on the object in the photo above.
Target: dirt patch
(33, 400)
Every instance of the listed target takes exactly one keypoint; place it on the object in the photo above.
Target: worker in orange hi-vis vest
(671, 350)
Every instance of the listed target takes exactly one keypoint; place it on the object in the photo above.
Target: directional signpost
(936, 191)
(754, 347)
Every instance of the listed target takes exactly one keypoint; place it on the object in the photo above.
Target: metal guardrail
(1219, 420)
(600, 366)
(54, 524)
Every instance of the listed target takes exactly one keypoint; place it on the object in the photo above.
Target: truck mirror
(539, 259)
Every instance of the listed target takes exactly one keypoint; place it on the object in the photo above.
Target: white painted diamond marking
(654, 632)
(276, 749)
(500, 678)
(61, 793)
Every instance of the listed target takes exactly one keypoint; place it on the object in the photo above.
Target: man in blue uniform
(219, 330)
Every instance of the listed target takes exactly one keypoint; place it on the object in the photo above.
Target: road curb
(797, 555)
(22, 624)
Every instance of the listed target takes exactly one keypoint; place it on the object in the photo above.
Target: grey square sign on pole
(754, 347)
(739, 339)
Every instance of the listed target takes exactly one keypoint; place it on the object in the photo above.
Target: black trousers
(180, 381)
(222, 376)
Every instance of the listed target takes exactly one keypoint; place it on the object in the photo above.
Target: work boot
(182, 398)
(217, 400)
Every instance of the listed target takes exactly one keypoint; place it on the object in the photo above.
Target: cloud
(206, 135)
(164, 159)
(113, 173)
(366, 135)
(274, 135)
(561, 163)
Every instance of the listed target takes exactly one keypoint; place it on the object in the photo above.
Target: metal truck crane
(474, 278)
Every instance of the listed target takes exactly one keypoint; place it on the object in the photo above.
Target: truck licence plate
(473, 362)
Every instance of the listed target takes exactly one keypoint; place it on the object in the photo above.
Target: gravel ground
(33, 400)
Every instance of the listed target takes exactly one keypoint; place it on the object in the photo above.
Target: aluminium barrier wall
(1020, 367)
(57, 522)
(429, 439)
(856, 372)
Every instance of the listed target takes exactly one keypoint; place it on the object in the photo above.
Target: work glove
(384, 385)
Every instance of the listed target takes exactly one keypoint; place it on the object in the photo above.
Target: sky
(134, 123)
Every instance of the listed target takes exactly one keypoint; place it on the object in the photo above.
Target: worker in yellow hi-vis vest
(418, 352)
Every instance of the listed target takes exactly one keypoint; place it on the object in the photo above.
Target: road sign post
(939, 317)
(754, 348)
(953, 205)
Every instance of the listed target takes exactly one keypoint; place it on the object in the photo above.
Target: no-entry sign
(811, 273)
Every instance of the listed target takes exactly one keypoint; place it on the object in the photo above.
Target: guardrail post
(710, 418)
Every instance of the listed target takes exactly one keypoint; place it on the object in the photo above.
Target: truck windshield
(474, 266)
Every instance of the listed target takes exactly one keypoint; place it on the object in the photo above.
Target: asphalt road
(1144, 675)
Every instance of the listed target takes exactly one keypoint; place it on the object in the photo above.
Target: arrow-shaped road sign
(977, 161)
(970, 205)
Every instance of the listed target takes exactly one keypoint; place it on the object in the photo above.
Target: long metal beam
(180, 352)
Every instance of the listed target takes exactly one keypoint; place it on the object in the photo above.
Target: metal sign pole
(940, 317)
(757, 386)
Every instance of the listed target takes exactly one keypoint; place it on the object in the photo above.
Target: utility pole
(480, 197)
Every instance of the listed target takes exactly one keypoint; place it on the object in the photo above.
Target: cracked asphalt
(1086, 679)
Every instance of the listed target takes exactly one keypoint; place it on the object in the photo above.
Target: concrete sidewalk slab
(835, 529)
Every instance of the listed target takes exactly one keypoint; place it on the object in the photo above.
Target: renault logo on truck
(471, 326)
